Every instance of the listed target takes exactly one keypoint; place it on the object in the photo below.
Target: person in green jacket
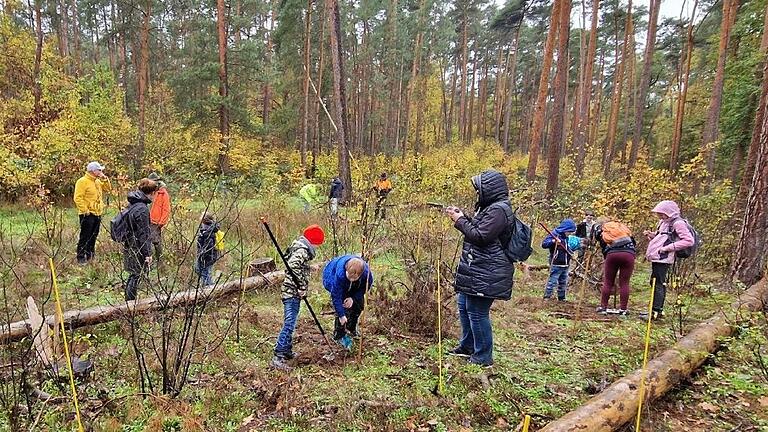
(310, 193)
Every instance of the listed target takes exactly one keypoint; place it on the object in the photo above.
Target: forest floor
(550, 357)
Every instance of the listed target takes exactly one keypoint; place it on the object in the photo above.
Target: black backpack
(118, 226)
(673, 237)
(518, 246)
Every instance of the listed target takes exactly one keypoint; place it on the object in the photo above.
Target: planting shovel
(289, 271)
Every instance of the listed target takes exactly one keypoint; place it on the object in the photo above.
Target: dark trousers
(353, 315)
(659, 272)
(132, 286)
(381, 211)
(89, 230)
(621, 264)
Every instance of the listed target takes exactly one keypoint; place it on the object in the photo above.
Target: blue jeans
(205, 274)
(558, 276)
(476, 331)
(291, 309)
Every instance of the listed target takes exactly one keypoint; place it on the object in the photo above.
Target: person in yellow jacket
(90, 206)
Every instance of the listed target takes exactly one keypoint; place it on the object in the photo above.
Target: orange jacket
(383, 185)
(160, 213)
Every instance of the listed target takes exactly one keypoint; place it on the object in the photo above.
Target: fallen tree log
(617, 404)
(105, 313)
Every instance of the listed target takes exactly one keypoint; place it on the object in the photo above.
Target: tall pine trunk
(339, 96)
(585, 95)
(711, 127)
(677, 132)
(511, 88)
(618, 89)
(537, 126)
(221, 27)
(560, 96)
(38, 90)
(307, 66)
(645, 79)
(752, 249)
(143, 83)
(754, 144)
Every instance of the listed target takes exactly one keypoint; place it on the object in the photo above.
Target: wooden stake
(645, 356)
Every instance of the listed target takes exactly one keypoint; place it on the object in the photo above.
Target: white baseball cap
(94, 166)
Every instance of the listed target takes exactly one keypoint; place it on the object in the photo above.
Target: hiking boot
(563, 300)
(289, 355)
(547, 297)
(278, 363)
(475, 362)
(657, 315)
(458, 352)
(623, 313)
(354, 333)
(601, 310)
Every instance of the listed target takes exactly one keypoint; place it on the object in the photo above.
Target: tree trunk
(499, 92)
(616, 405)
(585, 96)
(712, 125)
(307, 66)
(64, 29)
(597, 116)
(267, 99)
(38, 89)
(751, 251)
(677, 133)
(464, 71)
(76, 35)
(454, 89)
(511, 88)
(339, 95)
(483, 101)
(754, 144)
(618, 88)
(221, 26)
(143, 84)
(537, 126)
(560, 98)
(105, 313)
(469, 123)
(645, 79)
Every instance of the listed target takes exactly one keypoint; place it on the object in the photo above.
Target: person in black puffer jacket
(484, 273)
(137, 248)
(207, 254)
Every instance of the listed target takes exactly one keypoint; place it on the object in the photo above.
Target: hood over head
(567, 225)
(491, 186)
(138, 196)
(667, 207)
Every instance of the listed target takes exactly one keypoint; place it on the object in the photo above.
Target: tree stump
(260, 266)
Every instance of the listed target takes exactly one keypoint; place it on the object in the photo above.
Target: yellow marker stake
(645, 356)
(439, 334)
(66, 346)
(526, 423)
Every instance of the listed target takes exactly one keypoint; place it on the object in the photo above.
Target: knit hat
(314, 234)
(154, 176)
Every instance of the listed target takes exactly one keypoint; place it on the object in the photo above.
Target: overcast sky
(669, 8)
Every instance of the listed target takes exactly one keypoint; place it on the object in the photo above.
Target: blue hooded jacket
(335, 282)
(558, 254)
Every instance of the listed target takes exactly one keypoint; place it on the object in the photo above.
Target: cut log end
(260, 266)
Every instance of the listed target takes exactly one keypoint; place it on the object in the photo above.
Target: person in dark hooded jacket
(207, 254)
(137, 248)
(485, 272)
(337, 188)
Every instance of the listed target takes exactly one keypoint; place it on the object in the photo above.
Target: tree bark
(541, 97)
(645, 79)
(560, 99)
(754, 143)
(143, 84)
(105, 313)
(469, 122)
(38, 88)
(464, 72)
(339, 93)
(267, 99)
(618, 89)
(616, 405)
(677, 133)
(221, 26)
(511, 87)
(585, 96)
(751, 251)
(307, 66)
(712, 125)
(76, 35)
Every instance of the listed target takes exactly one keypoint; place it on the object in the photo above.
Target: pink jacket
(660, 248)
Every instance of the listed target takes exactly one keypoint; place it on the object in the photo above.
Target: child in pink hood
(672, 234)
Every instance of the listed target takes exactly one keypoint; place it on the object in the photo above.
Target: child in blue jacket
(560, 253)
(347, 278)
